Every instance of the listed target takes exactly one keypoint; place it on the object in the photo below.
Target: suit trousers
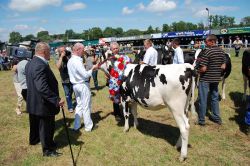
(42, 129)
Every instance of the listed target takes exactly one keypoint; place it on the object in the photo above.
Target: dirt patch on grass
(14, 156)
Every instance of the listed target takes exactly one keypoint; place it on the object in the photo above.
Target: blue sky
(56, 16)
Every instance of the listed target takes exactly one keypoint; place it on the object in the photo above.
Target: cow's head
(107, 64)
(167, 55)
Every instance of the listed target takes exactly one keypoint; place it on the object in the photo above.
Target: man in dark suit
(43, 101)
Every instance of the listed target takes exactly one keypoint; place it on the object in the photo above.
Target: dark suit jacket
(42, 89)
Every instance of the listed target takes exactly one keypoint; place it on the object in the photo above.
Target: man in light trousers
(79, 77)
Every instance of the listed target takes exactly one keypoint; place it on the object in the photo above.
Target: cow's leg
(126, 115)
(134, 113)
(183, 124)
(193, 112)
(245, 88)
(223, 88)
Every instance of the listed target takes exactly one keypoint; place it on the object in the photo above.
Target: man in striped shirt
(212, 63)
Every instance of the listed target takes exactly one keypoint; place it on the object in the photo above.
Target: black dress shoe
(33, 143)
(52, 153)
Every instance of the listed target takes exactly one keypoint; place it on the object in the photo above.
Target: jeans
(68, 90)
(204, 87)
(94, 75)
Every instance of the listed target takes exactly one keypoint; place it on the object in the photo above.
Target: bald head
(78, 49)
(42, 49)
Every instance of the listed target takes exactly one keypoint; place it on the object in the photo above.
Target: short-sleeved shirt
(151, 56)
(89, 62)
(21, 73)
(237, 44)
(64, 70)
(178, 56)
(212, 58)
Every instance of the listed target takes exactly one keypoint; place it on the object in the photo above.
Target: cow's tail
(191, 97)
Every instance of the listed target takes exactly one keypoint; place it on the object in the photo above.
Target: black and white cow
(165, 55)
(155, 87)
(246, 71)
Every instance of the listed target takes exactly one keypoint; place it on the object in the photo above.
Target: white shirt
(178, 56)
(77, 72)
(150, 56)
(239, 42)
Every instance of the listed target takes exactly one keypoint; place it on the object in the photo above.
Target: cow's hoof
(125, 130)
(136, 127)
(182, 159)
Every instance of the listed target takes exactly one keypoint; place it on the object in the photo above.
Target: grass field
(152, 144)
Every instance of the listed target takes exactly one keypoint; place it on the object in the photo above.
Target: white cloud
(188, 2)
(201, 13)
(127, 11)
(212, 10)
(223, 8)
(21, 27)
(13, 15)
(74, 6)
(141, 6)
(44, 21)
(156, 6)
(161, 6)
(39, 30)
(4, 34)
(32, 5)
(2, 30)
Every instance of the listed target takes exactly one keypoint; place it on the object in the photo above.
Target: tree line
(215, 22)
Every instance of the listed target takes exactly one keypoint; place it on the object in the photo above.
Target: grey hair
(41, 46)
(113, 44)
(77, 46)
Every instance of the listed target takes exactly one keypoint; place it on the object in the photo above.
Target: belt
(81, 82)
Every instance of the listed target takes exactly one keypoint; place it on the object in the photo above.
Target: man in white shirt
(237, 45)
(79, 77)
(178, 53)
(151, 54)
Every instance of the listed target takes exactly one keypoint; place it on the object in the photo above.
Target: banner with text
(186, 33)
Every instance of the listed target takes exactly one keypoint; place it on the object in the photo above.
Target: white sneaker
(18, 112)
(71, 110)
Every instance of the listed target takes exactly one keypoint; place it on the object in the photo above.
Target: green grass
(151, 144)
